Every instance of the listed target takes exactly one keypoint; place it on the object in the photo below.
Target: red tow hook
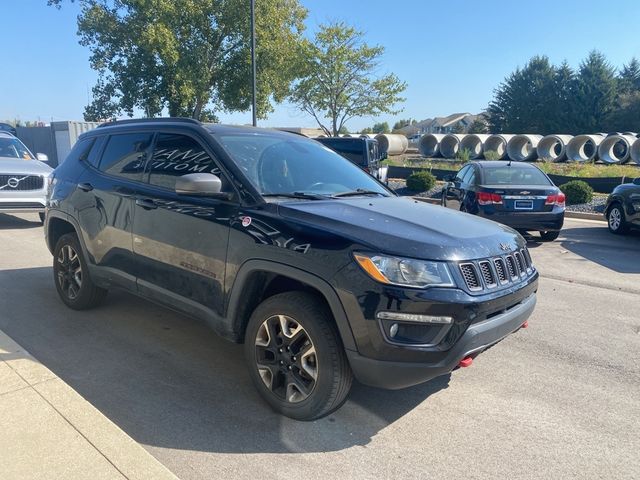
(465, 362)
(525, 324)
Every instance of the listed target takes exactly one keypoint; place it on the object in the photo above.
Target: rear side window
(470, 176)
(175, 155)
(461, 174)
(81, 150)
(125, 155)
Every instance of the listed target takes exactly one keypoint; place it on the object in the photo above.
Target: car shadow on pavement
(170, 382)
(620, 253)
(10, 222)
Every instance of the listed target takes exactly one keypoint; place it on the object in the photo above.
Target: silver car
(24, 178)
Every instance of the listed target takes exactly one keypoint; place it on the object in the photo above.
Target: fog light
(414, 317)
(393, 331)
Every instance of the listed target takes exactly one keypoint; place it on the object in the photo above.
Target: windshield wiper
(306, 196)
(359, 191)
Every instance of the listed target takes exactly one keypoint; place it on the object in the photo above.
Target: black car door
(180, 241)
(453, 191)
(104, 203)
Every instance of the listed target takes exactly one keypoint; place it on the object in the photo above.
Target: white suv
(23, 178)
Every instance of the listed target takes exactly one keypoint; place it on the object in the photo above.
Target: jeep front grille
(19, 182)
(488, 273)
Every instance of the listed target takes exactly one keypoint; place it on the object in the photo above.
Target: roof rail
(145, 120)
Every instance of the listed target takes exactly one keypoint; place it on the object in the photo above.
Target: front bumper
(478, 337)
(534, 221)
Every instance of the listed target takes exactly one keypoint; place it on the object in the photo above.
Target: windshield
(514, 175)
(278, 165)
(11, 147)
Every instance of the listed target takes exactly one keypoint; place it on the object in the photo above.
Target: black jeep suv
(278, 242)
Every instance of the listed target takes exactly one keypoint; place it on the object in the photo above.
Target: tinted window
(125, 155)
(351, 149)
(469, 176)
(81, 150)
(175, 155)
(282, 164)
(11, 147)
(514, 175)
(460, 175)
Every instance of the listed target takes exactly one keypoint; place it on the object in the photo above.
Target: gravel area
(400, 187)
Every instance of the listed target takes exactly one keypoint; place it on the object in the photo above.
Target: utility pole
(253, 60)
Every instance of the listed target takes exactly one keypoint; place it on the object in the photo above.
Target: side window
(460, 175)
(470, 176)
(81, 150)
(125, 155)
(175, 155)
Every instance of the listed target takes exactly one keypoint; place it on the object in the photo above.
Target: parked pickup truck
(361, 151)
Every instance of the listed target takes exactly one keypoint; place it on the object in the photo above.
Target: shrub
(577, 191)
(491, 155)
(463, 155)
(421, 181)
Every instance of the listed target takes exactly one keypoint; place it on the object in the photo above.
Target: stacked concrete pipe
(523, 148)
(583, 148)
(368, 135)
(554, 147)
(635, 151)
(497, 143)
(474, 143)
(392, 144)
(429, 144)
(450, 145)
(616, 149)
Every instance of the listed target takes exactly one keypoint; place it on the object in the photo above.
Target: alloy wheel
(615, 218)
(286, 358)
(69, 272)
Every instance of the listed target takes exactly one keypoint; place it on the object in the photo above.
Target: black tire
(549, 236)
(41, 215)
(333, 380)
(616, 221)
(71, 275)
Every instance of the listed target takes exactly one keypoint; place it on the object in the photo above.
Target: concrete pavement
(560, 399)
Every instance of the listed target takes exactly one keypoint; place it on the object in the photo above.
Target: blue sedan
(515, 194)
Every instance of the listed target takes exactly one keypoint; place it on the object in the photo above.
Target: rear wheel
(615, 219)
(71, 275)
(549, 236)
(295, 356)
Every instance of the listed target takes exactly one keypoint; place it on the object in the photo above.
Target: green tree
(403, 123)
(339, 79)
(478, 126)
(191, 57)
(366, 130)
(595, 95)
(629, 78)
(457, 128)
(382, 127)
(521, 103)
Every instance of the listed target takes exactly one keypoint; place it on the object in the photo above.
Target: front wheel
(71, 275)
(295, 356)
(549, 236)
(615, 220)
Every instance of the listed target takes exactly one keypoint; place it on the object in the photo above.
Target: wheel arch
(260, 279)
(57, 225)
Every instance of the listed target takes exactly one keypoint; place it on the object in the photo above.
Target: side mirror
(201, 185)
(636, 181)
(42, 157)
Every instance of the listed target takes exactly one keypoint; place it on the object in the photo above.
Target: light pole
(253, 60)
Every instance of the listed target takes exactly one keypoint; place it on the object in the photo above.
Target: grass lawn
(573, 169)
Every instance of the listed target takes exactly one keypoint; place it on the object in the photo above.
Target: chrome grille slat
(511, 266)
(520, 263)
(470, 276)
(487, 274)
(501, 270)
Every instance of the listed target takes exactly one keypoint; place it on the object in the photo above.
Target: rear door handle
(146, 203)
(85, 187)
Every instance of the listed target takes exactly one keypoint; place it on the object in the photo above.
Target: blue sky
(452, 53)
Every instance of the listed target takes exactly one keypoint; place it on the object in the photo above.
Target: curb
(96, 448)
(596, 217)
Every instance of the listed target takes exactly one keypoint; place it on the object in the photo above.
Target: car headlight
(406, 272)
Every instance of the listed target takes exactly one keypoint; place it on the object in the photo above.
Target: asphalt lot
(560, 399)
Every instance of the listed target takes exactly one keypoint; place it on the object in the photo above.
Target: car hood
(10, 166)
(406, 227)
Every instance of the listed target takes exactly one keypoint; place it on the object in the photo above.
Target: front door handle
(146, 203)
(85, 187)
